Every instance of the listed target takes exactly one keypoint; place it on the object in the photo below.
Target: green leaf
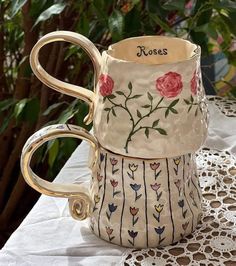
(31, 110)
(66, 115)
(108, 117)
(161, 131)
(173, 103)
(150, 96)
(162, 24)
(130, 86)
(113, 111)
(139, 114)
(5, 122)
(53, 147)
(5, 104)
(187, 101)
(173, 5)
(120, 93)
(111, 96)
(173, 110)
(16, 6)
(52, 108)
(19, 107)
(136, 96)
(167, 112)
(147, 132)
(191, 99)
(146, 106)
(190, 107)
(116, 25)
(52, 10)
(225, 4)
(155, 123)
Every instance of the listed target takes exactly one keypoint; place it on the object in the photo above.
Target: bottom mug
(131, 202)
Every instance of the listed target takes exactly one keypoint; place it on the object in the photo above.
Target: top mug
(148, 98)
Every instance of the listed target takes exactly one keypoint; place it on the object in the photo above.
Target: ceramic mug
(131, 202)
(148, 100)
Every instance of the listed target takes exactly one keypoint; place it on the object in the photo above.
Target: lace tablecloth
(213, 243)
(49, 236)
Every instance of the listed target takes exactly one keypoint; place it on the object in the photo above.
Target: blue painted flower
(181, 203)
(159, 230)
(132, 233)
(135, 187)
(112, 207)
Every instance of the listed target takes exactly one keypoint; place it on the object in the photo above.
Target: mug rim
(197, 50)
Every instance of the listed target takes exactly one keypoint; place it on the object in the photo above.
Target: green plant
(27, 105)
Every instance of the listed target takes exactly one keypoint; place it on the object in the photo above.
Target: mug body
(150, 102)
(144, 203)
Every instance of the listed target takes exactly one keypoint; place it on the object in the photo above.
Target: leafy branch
(190, 102)
(140, 117)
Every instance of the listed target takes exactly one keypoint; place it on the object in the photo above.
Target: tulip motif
(184, 226)
(99, 179)
(181, 205)
(114, 184)
(156, 187)
(111, 208)
(109, 232)
(154, 166)
(177, 161)
(114, 162)
(178, 185)
(136, 188)
(158, 209)
(134, 212)
(133, 168)
(96, 201)
(132, 234)
(159, 230)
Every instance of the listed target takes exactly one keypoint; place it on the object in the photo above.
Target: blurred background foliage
(26, 104)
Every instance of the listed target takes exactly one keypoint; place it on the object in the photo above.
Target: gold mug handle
(78, 195)
(63, 87)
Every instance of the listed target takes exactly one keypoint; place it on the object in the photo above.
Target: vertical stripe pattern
(145, 191)
(104, 192)
(123, 206)
(184, 191)
(171, 215)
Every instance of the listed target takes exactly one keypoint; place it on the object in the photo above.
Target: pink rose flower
(106, 85)
(170, 85)
(194, 83)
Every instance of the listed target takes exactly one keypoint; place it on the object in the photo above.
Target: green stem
(133, 130)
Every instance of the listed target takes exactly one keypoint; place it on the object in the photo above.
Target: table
(49, 236)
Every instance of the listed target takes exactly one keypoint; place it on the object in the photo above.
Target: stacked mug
(149, 118)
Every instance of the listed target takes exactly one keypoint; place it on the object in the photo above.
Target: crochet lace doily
(213, 243)
(226, 106)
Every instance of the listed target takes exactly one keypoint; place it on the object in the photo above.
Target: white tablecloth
(49, 236)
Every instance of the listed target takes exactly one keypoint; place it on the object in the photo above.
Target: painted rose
(169, 85)
(106, 85)
(194, 83)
